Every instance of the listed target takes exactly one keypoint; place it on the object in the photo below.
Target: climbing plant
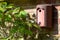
(15, 23)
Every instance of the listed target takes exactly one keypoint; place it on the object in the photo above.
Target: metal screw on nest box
(39, 23)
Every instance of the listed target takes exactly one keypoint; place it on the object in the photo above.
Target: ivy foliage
(14, 21)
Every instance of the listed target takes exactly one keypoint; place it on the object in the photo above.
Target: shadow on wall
(55, 20)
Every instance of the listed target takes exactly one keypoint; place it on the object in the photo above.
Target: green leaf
(1, 15)
(7, 18)
(22, 30)
(29, 24)
(9, 12)
(36, 26)
(10, 6)
(14, 30)
(29, 32)
(2, 9)
(4, 4)
(16, 10)
(16, 15)
(22, 14)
